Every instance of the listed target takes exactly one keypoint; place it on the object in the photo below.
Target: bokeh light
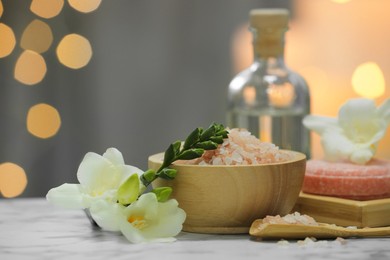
(1, 8)
(368, 80)
(46, 8)
(43, 120)
(13, 180)
(333, 48)
(341, 1)
(37, 37)
(74, 51)
(30, 68)
(7, 40)
(85, 6)
(249, 94)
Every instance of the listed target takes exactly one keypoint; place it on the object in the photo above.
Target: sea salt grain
(313, 242)
(241, 148)
(293, 218)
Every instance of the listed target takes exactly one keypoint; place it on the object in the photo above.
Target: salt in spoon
(297, 231)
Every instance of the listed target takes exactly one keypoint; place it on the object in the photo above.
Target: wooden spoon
(297, 231)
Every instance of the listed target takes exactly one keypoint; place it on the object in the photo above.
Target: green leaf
(162, 193)
(219, 127)
(169, 155)
(167, 174)
(176, 147)
(217, 139)
(192, 139)
(191, 154)
(223, 133)
(207, 145)
(193, 147)
(148, 176)
(208, 133)
(128, 192)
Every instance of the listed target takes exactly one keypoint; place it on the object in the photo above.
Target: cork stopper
(268, 27)
(269, 18)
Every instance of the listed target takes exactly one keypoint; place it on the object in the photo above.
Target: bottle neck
(268, 43)
(269, 63)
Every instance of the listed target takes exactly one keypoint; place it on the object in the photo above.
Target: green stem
(214, 134)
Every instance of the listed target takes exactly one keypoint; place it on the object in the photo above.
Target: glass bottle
(267, 98)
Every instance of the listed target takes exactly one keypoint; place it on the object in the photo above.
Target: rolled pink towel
(347, 180)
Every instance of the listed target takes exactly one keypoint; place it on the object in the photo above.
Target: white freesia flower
(147, 220)
(99, 178)
(355, 134)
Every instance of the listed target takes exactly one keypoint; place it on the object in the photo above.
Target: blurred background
(85, 75)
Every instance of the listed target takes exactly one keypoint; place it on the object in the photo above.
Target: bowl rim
(158, 158)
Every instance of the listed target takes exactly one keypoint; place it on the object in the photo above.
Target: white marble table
(34, 229)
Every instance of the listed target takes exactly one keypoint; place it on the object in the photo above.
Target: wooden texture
(344, 212)
(291, 231)
(227, 199)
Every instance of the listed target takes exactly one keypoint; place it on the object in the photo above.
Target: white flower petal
(129, 170)
(373, 140)
(360, 121)
(170, 221)
(91, 163)
(134, 235)
(354, 136)
(67, 196)
(336, 146)
(154, 221)
(97, 174)
(106, 214)
(384, 111)
(147, 205)
(357, 111)
(318, 123)
(114, 155)
(361, 156)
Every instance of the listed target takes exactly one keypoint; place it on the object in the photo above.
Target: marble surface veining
(34, 229)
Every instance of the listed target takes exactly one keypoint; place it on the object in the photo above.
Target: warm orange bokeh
(1, 8)
(341, 1)
(43, 121)
(249, 94)
(13, 180)
(74, 51)
(7, 40)
(368, 80)
(281, 95)
(326, 42)
(354, 36)
(37, 37)
(46, 8)
(85, 6)
(30, 68)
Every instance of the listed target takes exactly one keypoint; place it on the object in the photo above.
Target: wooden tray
(344, 212)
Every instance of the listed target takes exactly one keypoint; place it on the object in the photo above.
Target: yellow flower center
(137, 221)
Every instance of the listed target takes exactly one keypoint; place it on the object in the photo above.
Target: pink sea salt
(241, 148)
(294, 218)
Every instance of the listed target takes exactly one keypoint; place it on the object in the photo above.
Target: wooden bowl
(227, 199)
